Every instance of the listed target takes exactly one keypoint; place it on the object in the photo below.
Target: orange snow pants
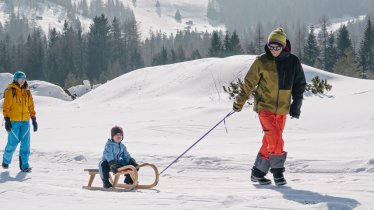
(273, 126)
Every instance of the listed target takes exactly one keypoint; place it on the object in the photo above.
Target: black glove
(34, 124)
(8, 124)
(295, 109)
(236, 107)
(133, 163)
(113, 166)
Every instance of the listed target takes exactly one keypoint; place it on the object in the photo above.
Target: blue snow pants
(20, 133)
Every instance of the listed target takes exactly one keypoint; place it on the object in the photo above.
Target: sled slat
(119, 187)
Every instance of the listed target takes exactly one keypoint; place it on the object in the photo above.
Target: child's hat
(115, 130)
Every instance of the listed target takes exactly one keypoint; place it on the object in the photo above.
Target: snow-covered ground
(151, 18)
(148, 16)
(335, 24)
(48, 16)
(38, 88)
(164, 110)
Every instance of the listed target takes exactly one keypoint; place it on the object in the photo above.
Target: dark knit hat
(115, 130)
(277, 37)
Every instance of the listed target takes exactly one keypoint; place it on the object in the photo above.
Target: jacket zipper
(22, 106)
(284, 75)
(258, 101)
(119, 151)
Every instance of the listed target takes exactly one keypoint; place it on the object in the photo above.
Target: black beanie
(115, 130)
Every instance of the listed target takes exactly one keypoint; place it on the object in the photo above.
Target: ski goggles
(274, 47)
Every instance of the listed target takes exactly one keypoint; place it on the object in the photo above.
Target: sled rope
(201, 138)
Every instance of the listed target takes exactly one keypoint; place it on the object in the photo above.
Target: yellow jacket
(18, 103)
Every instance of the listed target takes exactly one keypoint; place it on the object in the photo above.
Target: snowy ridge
(164, 110)
(38, 88)
(148, 16)
(336, 24)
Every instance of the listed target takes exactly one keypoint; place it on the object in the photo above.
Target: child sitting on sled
(115, 156)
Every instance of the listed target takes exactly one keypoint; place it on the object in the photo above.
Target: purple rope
(201, 138)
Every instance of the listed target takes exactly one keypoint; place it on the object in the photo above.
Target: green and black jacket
(274, 81)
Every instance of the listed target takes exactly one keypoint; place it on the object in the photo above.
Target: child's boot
(128, 179)
(107, 184)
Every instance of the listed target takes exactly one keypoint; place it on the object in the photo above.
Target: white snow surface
(335, 24)
(38, 88)
(80, 90)
(152, 18)
(164, 110)
(146, 13)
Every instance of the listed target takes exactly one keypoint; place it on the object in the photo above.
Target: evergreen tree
(54, 73)
(158, 5)
(134, 59)
(161, 58)
(68, 54)
(98, 38)
(323, 41)
(259, 38)
(215, 46)
(195, 55)
(331, 52)
(235, 44)
(181, 55)
(5, 59)
(35, 55)
(227, 47)
(53, 36)
(343, 41)
(311, 51)
(116, 42)
(251, 49)
(173, 56)
(17, 27)
(299, 41)
(347, 65)
(366, 48)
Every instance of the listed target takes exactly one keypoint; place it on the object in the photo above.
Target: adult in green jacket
(278, 82)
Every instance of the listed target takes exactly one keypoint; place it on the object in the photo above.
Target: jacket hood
(16, 85)
(111, 141)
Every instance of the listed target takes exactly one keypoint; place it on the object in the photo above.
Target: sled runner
(131, 170)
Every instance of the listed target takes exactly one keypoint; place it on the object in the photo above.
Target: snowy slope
(335, 24)
(146, 13)
(151, 18)
(164, 110)
(38, 88)
(52, 16)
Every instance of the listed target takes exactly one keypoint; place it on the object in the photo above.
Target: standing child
(115, 156)
(18, 108)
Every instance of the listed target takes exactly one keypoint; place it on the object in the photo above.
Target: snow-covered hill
(164, 110)
(335, 24)
(194, 16)
(49, 15)
(38, 88)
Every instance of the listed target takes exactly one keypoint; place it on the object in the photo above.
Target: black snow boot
(107, 184)
(26, 170)
(278, 176)
(259, 176)
(5, 166)
(128, 179)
